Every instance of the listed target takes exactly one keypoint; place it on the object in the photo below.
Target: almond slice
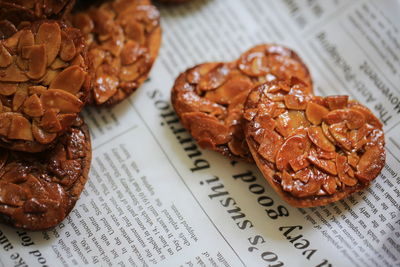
(271, 143)
(194, 75)
(83, 22)
(67, 48)
(325, 165)
(20, 128)
(49, 122)
(329, 185)
(49, 77)
(214, 79)
(232, 87)
(114, 44)
(355, 119)
(36, 54)
(12, 74)
(369, 116)
(339, 132)
(290, 121)
(36, 89)
(208, 130)
(353, 159)
(303, 190)
(130, 52)
(70, 80)
(133, 72)
(26, 39)
(23, 64)
(286, 181)
(58, 64)
(317, 136)
(135, 31)
(315, 113)
(295, 102)
(292, 148)
(304, 175)
(61, 100)
(104, 88)
(254, 64)
(78, 60)
(299, 163)
(5, 57)
(41, 135)
(337, 101)
(325, 130)
(5, 123)
(49, 34)
(8, 88)
(19, 96)
(32, 106)
(97, 57)
(371, 163)
(342, 169)
(12, 42)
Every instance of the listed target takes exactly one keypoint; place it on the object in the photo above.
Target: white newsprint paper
(154, 198)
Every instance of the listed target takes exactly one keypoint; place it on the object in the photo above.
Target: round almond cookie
(37, 191)
(313, 150)
(43, 84)
(209, 97)
(123, 37)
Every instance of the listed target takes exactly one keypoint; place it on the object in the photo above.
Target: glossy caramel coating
(44, 84)
(209, 97)
(11, 16)
(42, 9)
(123, 38)
(37, 191)
(313, 150)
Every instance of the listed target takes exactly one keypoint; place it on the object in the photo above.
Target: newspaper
(155, 198)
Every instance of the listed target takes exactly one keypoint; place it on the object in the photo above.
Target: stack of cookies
(52, 63)
(261, 108)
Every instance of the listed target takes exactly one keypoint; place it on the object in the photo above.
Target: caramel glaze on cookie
(37, 191)
(44, 84)
(209, 97)
(313, 150)
(54, 9)
(11, 16)
(123, 38)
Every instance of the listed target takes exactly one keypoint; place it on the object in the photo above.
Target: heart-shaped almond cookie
(313, 150)
(209, 97)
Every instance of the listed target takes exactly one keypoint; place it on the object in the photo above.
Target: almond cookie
(123, 38)
(11, 16)
(44, 8)
(43, 84)
(313, 150)
(209, 98)
(37, 191)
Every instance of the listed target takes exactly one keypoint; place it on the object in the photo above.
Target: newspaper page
(154, 198)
